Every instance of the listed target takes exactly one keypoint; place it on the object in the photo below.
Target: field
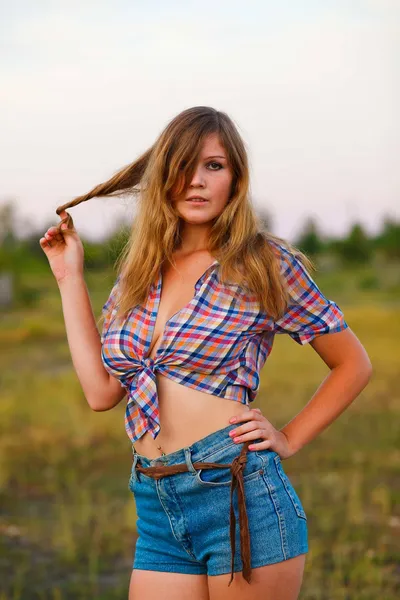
(67, 519)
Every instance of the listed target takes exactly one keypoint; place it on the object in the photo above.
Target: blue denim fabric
(183, 519)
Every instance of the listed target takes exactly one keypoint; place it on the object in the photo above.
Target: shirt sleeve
(309, 313)
(109, 309)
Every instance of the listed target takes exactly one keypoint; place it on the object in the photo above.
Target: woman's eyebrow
(215, 156)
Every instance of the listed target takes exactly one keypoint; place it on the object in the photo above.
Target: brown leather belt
(237, 467)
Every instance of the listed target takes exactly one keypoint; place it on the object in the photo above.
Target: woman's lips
(194, 201)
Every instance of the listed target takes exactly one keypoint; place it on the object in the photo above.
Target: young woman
(201, 291)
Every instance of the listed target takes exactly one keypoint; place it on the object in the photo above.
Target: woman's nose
(197, 179)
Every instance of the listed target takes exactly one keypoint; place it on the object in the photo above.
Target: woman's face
(212, 180)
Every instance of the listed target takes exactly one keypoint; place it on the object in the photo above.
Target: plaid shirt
(217, 343)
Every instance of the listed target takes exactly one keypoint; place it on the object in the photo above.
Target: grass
(67, 522)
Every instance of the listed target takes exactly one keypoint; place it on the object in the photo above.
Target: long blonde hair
(238, 239)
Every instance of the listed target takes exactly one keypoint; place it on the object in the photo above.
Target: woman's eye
(215, 163)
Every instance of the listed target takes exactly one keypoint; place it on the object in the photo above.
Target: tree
(265, 218)
(7, 224)
(309, 240)
(388, 241)
(356, 248)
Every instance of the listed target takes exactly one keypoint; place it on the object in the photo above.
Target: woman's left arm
(350, 371)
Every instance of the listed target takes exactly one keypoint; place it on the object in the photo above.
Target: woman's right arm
(102, 391)
(64, 251)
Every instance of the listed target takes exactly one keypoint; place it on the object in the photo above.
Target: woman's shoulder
(287, 256)
(280, 247)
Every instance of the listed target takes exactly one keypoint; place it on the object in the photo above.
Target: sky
(313, 87)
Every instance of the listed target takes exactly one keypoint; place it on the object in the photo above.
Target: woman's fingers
(53, 232)
(54, 235)
(45, 244)
(51, 238)
(68, 220)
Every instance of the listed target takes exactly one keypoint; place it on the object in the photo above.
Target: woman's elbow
(363, 369)
(368, 369)
(107, 403)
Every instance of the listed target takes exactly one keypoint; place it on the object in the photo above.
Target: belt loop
(134, 474)
(188, 460)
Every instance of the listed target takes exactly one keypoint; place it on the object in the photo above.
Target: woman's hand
(63, 249)
(257, 426)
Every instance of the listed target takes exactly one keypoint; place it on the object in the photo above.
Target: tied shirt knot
(146, 379)
(141, 368)
(148, 363)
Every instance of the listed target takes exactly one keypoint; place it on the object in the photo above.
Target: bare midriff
(186, 414)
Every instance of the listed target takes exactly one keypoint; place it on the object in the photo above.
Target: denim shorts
(183, 518)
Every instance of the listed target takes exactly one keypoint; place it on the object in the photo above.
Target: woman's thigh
(156, 585)
(279, 581)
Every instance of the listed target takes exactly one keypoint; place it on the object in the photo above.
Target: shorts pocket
(133, 480)
(222, 476)
(289, 488)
